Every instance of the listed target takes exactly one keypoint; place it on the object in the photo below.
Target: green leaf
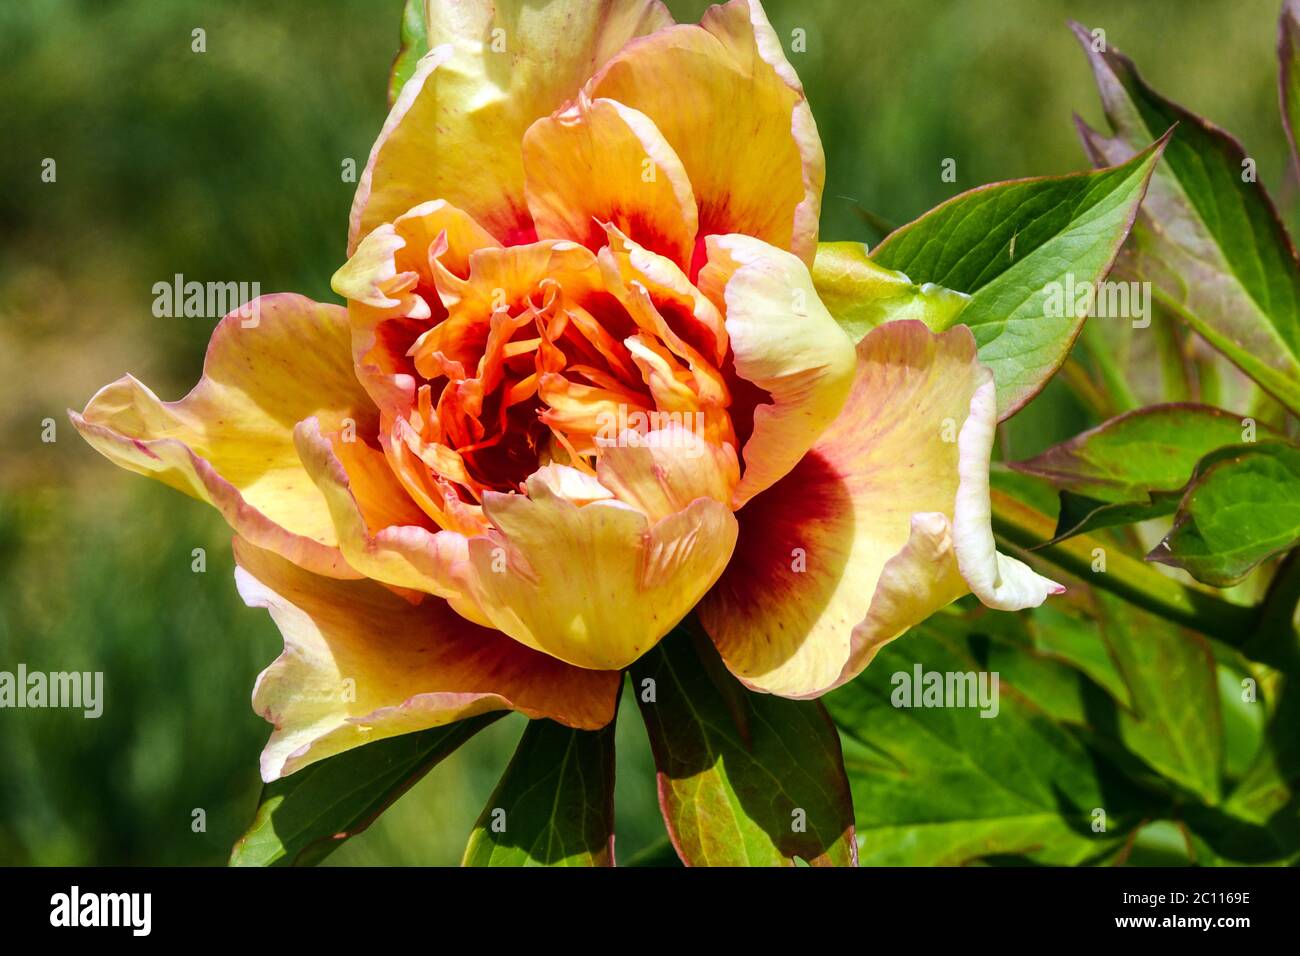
(1064, 631)
(414, 44)
(1209, 239)
(744, 779)
(1161, 713)
(1260, 820)
(1175, 723)
(1288, 55)
(304, 817)
(862, 295)
(554, 805)
(1132, 467)
(1160, 843)
(1015, 248)
(946, 786)
(1240, 511)
(1268, 791)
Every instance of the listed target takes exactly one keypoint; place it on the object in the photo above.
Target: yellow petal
(229, 442)
(855, 545)
(785, 342)
(600, 162)
(455, 130)
(380, 496)
(665, 470)
(498, 279)
(360, 664)
(732, 108)
(598, 584)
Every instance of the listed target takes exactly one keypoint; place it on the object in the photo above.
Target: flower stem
(1276, 638)
(1125, 576)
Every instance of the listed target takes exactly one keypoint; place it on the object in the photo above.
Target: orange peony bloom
(583, 386)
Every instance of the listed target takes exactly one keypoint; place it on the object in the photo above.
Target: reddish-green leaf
(744, 779)
(1209, 239)
(1288, 55)
(554, 805)
(1135, 466)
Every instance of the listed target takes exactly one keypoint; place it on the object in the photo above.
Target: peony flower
(583, 386)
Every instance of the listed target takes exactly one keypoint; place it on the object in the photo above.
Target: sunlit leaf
(946, 786)
(304, 817)
(1175, 724)
(1209, 240)
(1006, 245)
(744, 779)
(1135, 466)
(862, 295)
(1071, 634)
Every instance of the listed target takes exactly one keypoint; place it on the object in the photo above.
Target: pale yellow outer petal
(856, 544)
(785, 342)
(997, 580)
(230, 441)
(455, 131)
(360, 664)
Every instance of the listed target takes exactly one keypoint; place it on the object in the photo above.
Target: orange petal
(360, 664)
(856, 544)
(495, 66)
(229, 442)
(380, 497)
(785, 342)
(390, 284)
(731, 106)
(601, 162)
(598, 584)
(406, 556)
(498, 279)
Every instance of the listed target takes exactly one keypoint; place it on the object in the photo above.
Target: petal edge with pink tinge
(360, 664)
(229, 442)
(856, 544)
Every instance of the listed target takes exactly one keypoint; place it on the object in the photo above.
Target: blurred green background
(226, 166)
